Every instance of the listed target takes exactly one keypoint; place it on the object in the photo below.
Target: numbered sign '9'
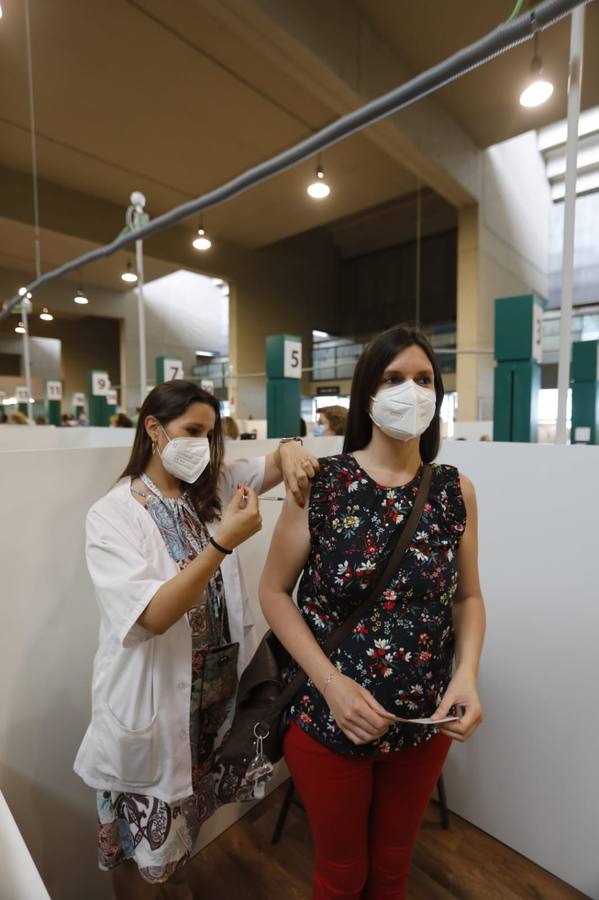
(100, 384)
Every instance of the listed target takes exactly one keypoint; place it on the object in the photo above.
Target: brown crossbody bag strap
(393, 563)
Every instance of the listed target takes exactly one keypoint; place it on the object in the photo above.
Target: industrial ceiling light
(80, 297)
(319, 189)
(23, 292)
(20, 329)
(202, 242)
(45, 315)
(539, 90)
(129, 275)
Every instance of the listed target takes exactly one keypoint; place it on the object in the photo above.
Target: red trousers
(364, 813)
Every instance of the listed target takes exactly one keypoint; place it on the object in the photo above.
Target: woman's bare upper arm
(469, 581)
(289, 549)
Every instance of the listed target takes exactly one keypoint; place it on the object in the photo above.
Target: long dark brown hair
(166, 402)
(368, 373)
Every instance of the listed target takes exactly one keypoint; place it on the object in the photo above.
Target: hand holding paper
(461, 693)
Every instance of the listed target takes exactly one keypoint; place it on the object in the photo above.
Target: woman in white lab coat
(175, 632)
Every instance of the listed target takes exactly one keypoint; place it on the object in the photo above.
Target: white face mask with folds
(185, 457)
(403, 411)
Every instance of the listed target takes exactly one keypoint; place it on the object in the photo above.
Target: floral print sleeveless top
(402, 651)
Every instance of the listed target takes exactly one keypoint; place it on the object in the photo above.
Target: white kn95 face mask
(185, 457)
(403, 411)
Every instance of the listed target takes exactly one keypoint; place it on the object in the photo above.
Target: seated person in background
(332, 420)
(18, 418)
(120, 420)
(230, 429)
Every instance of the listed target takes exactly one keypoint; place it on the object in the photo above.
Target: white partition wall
(49, 437)
(528, 777)
(47, 644)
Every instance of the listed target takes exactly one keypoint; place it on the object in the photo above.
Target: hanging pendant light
(45, 315)
(20, 328)
(80, 297)
(129, 275)
(202, 242)
(538, 90)
(319, 189)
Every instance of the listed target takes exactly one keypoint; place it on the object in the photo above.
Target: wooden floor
(462, 863)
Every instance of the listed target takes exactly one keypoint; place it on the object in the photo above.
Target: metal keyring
(260, 736)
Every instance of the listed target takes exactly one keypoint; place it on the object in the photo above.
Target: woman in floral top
(364, 773)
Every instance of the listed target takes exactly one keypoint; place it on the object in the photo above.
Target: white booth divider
(49, 437)
(528, 776)
(20, 878)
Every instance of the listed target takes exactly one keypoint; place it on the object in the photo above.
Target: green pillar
(585, 392)
(54, 402)
(98, 385)
(518, 333)
(168, 368)
(112, 401)
(78, 404)
(22, 395)
(283, 374)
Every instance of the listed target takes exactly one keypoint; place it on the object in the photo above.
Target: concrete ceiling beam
(332, 52)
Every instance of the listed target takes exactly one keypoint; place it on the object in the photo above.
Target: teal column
(78, 404)
(54, 402)
(98, 385)
(168, 368)
(518, 333)
(22, 398)
(283, 379)
(112, 401)
(585, 392)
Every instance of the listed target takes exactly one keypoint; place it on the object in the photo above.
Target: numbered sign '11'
(53, 390)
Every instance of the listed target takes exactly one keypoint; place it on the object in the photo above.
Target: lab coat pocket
(128, 755)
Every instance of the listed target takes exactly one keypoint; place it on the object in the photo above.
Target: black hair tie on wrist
(219, 548)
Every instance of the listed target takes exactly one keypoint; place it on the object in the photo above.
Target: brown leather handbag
(263, 696)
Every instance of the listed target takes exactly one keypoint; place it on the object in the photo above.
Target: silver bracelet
(327, 682)
(288, 440)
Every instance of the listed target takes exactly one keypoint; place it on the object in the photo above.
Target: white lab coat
(138, 738)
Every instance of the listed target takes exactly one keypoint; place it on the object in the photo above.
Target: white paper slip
(428, 721)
